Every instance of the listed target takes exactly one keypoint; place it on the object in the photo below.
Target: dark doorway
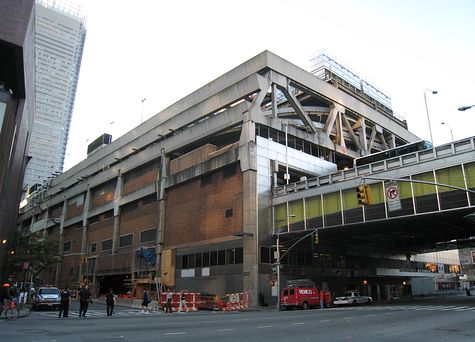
(116, 282)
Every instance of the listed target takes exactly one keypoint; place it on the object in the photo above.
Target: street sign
(393, 199)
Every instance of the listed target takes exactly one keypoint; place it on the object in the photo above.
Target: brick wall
(73, 234)
(75, 207)
(135, 218)
(97, 232)
(196, 213)
(133, 183)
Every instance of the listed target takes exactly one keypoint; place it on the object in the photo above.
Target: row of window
(293, 257)
(213, 258)
(146, 236)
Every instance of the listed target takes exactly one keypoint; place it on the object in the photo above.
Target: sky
(161, 51)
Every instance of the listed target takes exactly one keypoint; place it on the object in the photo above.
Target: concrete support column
(116, 229)
(161, 184)
(59, 263)
(85, 213)
(251, 236)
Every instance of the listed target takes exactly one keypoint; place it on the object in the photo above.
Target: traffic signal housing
(363, 194)
(316, 238)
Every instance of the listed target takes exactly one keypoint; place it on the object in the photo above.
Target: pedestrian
(65, 299)
(322, 299)
(182, 302)
(110, 301)
(168, 304)
(84, 300)
(4, 296)
(145, 301)
(328, 298)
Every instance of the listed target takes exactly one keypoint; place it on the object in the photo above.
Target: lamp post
(451, 132)
(464, 108)
(143, 105)
(427, 111)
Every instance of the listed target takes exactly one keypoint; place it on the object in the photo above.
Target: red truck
(299, 294)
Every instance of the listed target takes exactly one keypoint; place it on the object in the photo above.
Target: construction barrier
(196, 301)
(192, 300)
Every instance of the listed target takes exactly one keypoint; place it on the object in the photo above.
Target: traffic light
(363, 193)
(316, 237)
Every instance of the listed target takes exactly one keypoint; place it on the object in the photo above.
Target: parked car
(352, 298)
(47, 297)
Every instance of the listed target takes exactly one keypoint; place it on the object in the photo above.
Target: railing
(450, 149)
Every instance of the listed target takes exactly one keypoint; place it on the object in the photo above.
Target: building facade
(59, 42)
(16, 111)
(185, 199)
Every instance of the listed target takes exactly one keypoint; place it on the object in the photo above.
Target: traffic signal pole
(279, 257)
(419, 181)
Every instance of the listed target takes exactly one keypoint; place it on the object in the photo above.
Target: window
(148, 235)
(67, 246)
(265, 256)
(108, 214)
(213, 258)
(191, 261)
(473, 257)
(222, 257)
(106, 245)
(126, 240)
(206, 179)
(93, 247)
(206, 259)
(149, 199)
(184, 261)
(229, 213)
(238, 256)
(230, 256)
(229, 171)
(291, 292)
(198, 260)
(93, 219)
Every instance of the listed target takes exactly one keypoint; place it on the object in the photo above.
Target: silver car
(47, 297)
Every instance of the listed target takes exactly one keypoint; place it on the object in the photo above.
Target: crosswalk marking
(102, 313)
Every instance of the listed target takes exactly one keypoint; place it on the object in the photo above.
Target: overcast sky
(164, 50)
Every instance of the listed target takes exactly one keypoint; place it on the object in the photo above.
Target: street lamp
(427, 111)
(464, 108)
(451, 132)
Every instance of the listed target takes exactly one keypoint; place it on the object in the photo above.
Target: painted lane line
(298, 323)
(221, 330)
(370, 315)
(348, 317)
(389, 313)
(264, 326)
(325, 320)
(176, 333)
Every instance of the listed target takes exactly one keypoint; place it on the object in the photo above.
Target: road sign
(393, 200)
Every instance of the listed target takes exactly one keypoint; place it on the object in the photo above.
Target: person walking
(110, 301)
(84, 299)
(168, 304)
(65, 299)
(322, 299)
(145, 301)
(182, 302)
(328, 298)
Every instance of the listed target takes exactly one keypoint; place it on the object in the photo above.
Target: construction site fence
(196, 301)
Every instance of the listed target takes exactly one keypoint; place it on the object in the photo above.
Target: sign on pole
(393, 199)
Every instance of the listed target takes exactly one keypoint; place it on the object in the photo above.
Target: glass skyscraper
(59, 42)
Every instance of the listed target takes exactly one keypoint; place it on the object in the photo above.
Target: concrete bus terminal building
(187, 198)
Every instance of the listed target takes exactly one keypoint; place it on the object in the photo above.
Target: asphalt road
(444, 319)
